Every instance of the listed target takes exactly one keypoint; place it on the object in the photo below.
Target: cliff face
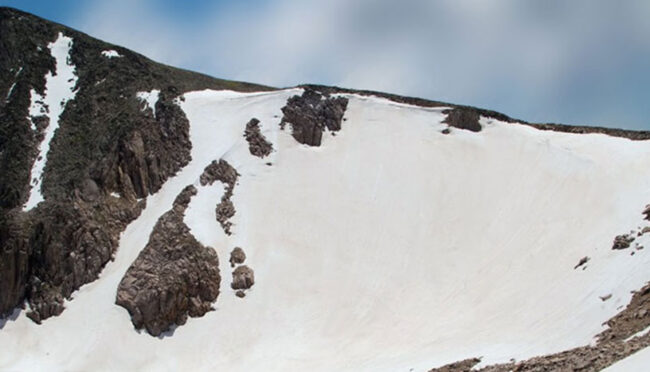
(110, 149)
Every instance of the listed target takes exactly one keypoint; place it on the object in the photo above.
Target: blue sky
(574, 62)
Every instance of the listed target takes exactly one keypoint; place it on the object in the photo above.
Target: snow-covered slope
(392, 246)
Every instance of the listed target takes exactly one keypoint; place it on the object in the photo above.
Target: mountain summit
(153, 218)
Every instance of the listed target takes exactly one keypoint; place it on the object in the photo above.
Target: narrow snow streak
(11, 89)
(150, 99)
(59, 89)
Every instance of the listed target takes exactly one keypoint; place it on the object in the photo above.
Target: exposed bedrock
(173, 277)
(223, 172)
(237, 256)
(312, 113)
(243, 277)
(463, 118)
(257, 143)
(615, 343)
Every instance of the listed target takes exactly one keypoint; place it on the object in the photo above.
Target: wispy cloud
(581, 62)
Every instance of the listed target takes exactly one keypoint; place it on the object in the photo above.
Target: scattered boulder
(240, 294)
(582, 261)
(312, 113)
(605, 297)
(622, 241)
(257, 143)
(242, 278)
(237, 256)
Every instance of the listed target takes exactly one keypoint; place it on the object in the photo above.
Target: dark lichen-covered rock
(237, 256)
(174, 276)
(257, 143)
(243, 277)
(312, 113)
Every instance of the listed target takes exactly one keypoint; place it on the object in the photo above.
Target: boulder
(242, 278)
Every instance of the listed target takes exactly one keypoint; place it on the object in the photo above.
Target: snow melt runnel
(150, 99)
(59, 89)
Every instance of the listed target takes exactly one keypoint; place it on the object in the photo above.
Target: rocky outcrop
(223, 172)
(15, 251)
(257, 143)
(237, 256)
(622, 241)
(173, 277)
(243, 277)
(579, 129)
(312, 113)
(462, 118)
(104, 144)
(615, 343)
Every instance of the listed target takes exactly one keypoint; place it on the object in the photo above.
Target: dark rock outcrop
(462, 118)
(622, 241)
(237, 256)
(312, 113)
(257, 143)
(421, 102)
(223, 172)
(243, 277)
(174, 277)
(105, 143)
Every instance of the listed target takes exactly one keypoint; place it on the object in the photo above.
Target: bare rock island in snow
(125, 184)
(174, 276)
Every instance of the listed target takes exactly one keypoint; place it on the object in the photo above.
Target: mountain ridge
(134, 127)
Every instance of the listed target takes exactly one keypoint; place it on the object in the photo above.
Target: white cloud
(530, 59)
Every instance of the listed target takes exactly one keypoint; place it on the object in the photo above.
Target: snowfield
(391, 247)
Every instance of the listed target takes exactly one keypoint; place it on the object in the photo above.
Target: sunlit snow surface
(59, 89)
(390, 247)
